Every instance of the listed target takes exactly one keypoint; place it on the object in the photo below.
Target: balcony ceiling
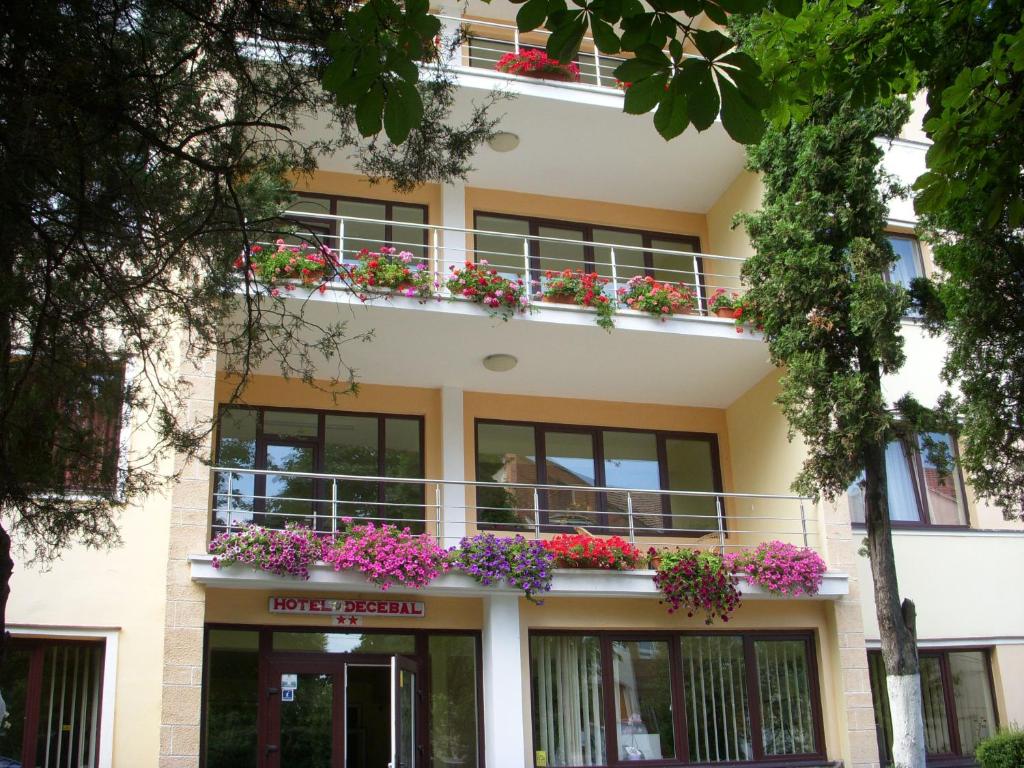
(690, 361)
(577, 143)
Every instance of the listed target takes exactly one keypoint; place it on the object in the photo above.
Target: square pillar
(454, 241)
(504, 735)
(453, 461)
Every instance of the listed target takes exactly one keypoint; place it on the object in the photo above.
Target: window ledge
(566, 583)
(946, 530)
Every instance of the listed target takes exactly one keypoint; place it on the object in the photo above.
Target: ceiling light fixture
(500, 363)
(503, 141)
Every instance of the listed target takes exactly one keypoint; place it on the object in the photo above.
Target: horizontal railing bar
(491, 484)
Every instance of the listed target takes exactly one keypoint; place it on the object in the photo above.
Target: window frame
(912, 455)
(540, 428)
(587, 229)
(679, 718)
(918, 255)
(330, 228)
(318, 444)
(957, 758)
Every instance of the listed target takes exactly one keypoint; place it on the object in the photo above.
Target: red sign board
(345, 607)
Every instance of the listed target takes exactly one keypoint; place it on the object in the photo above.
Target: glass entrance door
(341, 712)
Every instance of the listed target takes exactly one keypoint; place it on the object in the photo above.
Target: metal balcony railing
(448, 509)
(523, 256)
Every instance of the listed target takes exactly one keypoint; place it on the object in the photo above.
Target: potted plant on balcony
(697, 582)
(387, 555)
(584, 289)
(516, 561)
(580, 550)
(533, 62)
(724, 303)
(394, 273)
(290, 264)
(481, 284)
(780, 568)
(646, 294)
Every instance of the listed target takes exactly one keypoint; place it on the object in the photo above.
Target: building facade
(662, 431)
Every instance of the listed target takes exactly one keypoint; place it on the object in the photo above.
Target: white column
(453, 214)
(504, 737)
(453, 460)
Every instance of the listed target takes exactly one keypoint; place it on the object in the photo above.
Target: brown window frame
(676, 689)
(587, 230)
(541, 428)
(267, 656)
(330, 228)
(915, 461)
(956, 758)
(36, 647)
(319, 443)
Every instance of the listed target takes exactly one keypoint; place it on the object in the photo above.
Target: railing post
(437, 513)
(526, 274)
(615, 272)
(629, 517)
(803, 522)
(721, 524)
(334, 505)
(435, 265)
(341, 243)
(515, 38)
(231, 503)
(597, 65)
(536, 512)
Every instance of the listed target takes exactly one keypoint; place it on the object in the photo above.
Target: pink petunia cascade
(780, 568)
(386, 555)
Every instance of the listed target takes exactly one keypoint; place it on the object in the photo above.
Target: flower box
(533, 62)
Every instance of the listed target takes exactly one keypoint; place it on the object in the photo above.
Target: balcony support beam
(453, 214)
(453, 524)
(504, 676)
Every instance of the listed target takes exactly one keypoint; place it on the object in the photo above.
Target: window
(917, 490)
(580, 458)
(52, 690)
(574, 247)
(909, 264)
(603, 700)
(956, 691)
(400, 225)
(292, 442)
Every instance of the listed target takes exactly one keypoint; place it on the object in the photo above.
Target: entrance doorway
(341, 711)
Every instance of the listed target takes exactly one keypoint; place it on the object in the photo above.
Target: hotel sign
(325, 606)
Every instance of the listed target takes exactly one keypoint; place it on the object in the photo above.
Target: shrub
(386, 555)
(1004, 750)
(284, 553)
(579, 550)
(780, 567)
(518, 562)
(697, 582)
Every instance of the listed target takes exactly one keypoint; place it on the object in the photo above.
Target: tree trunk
(6, 569)
(896, 621)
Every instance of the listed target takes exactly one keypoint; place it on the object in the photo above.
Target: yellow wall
(1008, 672)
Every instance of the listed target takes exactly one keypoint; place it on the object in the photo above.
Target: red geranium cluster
(534, 60)
(578, 550)
(289, 262)
(585, 288)
(401, 273)
(483, 285)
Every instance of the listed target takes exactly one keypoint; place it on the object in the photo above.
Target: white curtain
(568, 713)
(900, 484)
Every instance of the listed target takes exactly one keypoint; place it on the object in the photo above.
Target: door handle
(273, 691)
(271, 749)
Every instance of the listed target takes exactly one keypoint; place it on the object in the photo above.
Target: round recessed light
(503, 141)
(500, 363)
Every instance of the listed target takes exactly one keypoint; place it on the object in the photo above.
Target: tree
(145, 144)
(832, 322)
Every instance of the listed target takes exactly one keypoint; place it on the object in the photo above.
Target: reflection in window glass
(631, 461)
(236, 448)
(972, 695)
(14, 683)
(370, 235)
(628, 263)
(505, 253)
(232, 698)
(344, 642)
(568, 710)
(295, 424)
(945, 492)
(643, 700)
(787, 722)
(485, 53)
(289, 494)
(690, 468)
(908, 260)
(453, 700)
(556, 257)
(506, 453)
(674, 267)
(350, 448)
(402, 458)
(569, 460)
(715, 697)
(409, 238)
(901, 495)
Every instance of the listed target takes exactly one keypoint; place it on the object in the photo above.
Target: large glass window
(568, 700)
(453, 700)
(53, 694)
(293, 444)
(909, 264)
(917, 489)
(956, 694)
(581, 458)
(724, 684)
(232, 698)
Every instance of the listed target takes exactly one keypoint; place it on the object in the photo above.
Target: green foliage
(817, 287)
(1004, 750)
